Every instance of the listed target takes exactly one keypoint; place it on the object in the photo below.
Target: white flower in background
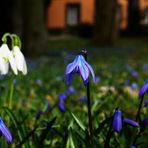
(19, 60)
(6, 58)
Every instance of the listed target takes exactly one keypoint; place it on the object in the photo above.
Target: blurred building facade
(64, 13)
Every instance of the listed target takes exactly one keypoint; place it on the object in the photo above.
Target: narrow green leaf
(15, 122)
(78, 122)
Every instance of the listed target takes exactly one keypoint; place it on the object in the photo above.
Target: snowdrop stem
(17, 40)
(84, 52)
(4, 38)
(11, 94)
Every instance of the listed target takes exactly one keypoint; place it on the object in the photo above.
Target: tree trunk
(105, 30)
(133, 17)
(35, 36)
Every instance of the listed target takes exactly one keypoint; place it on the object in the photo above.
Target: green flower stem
(109, 135)
(89, 115)
(4, 39)
(17, 40)
(11, 94)
(84, 52)
(139, 109)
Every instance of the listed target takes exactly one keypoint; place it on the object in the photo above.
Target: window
(72, 14)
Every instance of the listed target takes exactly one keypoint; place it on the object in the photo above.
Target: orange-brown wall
(56, 12)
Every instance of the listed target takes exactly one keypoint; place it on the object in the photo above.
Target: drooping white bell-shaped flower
(6, 58)
(19, 60)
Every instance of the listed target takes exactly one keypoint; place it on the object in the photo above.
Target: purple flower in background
(70, 90)
(143, 89)
(145, 67)
(146, 103)
(117, 120)
(134, 86)
(79, 65)
(5, 131)
(97, 79)
(62, 97)
(38, 82)
(132, 146)
(130, 122)
(83, 99)
(134, 73)
(38, 115)
(59, 78)
(145, 122)
(61, 106)
(129, 68)
(14, 81)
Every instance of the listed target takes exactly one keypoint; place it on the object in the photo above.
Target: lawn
(36, 120)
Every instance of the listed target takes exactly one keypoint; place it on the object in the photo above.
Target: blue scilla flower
(130, 122)
(146, 103)
(143, 89)
(38, 81)
(145, 122)
(134, 86)
(118, 121)
(61, 106)
(62, 97)
(134, 73)
(79, 65)
(83, 99)
(5, 131)
(70, 90)
(132, 146)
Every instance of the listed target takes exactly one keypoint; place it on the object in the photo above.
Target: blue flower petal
(146, 103)
(84, 72)
(145, 122)
(130, 122)
(69, 78)
(5, 131)
(117, 120)
(61, 106)
(79, 65)
(144, 89)
(92, 72)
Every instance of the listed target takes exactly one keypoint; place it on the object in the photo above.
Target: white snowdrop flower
(6, 58)
(19, 60)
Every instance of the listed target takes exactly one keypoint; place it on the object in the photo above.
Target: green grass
(113, 90)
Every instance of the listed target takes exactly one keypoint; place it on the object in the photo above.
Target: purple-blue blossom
(134, 86)
(132, 146)
(134, 73)
(130, 122)
(145, 122)
(70, 90)
(146, 103)
(117, 120)
(61, 106)
(143, 89)
(62, 97)
(5, 131)
(79, 65)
